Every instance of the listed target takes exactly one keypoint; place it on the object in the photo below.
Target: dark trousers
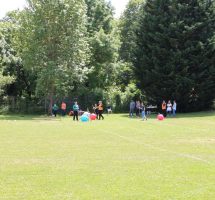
(63, 112)
(100, 114)
(54, 112)
(164, 112)
(97, 113)
(75, 115)
(138, 112)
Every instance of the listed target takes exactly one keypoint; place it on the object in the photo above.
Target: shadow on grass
(124, 115)
(179, 115)
(28, 118)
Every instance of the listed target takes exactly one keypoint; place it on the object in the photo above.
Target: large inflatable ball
(87, 114)
(93, 117)
(160, 117)
(84, 118)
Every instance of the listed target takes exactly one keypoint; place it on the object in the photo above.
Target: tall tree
(55, 45)
(104, 45)
(100, 16)
(175, 54)
(129, 24)
(12, 62)
(7, 57)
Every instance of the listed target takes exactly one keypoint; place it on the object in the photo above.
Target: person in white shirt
(138, 108)
(169, 108)
(174, 108)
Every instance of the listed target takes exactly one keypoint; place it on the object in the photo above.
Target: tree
(104, 44)
(174, 56)
(55, 45)
(129, 24)
(100, 16)
(6, 58)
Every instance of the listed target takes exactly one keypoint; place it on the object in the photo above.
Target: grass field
(115, 159)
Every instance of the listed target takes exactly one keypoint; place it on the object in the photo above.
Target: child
(109, 110)
(143, 112)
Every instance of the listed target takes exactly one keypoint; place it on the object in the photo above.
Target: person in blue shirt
(75, 111)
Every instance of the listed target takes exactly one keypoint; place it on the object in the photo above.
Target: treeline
(75, 49)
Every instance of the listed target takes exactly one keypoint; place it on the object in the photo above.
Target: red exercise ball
(93, 117)
(160, 117)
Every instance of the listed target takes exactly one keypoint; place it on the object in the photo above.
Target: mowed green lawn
(115, 159)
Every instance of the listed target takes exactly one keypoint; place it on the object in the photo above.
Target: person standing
(143, 111)
(132, 107)
(55, 110)
(109, 109)
(100, 110)
(169, 108)
(63, 108)
(95, 109)
(75, 111)
(138, 108)
(163, 107)
(174, 108)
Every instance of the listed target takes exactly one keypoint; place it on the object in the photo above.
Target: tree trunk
(51, 94)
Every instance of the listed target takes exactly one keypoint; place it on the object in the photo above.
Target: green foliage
(5, 80)
(100, 16)
(129, 24)
(105, 54)
(174, 58)
(7, 58)
(75, 49)
(104, 43)
(56, 45)
(120, 99)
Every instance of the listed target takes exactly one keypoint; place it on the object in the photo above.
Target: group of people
(98, 110)
(169, 109)
(55, 109)
(75, 111)
(139, 108)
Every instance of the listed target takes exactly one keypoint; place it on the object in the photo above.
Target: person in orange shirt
(100, 110)
(63, 108)
(163, 106)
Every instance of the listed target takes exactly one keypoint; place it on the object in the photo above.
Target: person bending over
(55, 110)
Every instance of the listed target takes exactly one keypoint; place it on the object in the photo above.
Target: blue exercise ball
(84, 118)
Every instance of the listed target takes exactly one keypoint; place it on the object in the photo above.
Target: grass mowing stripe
(115, 159)
(160, 149)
